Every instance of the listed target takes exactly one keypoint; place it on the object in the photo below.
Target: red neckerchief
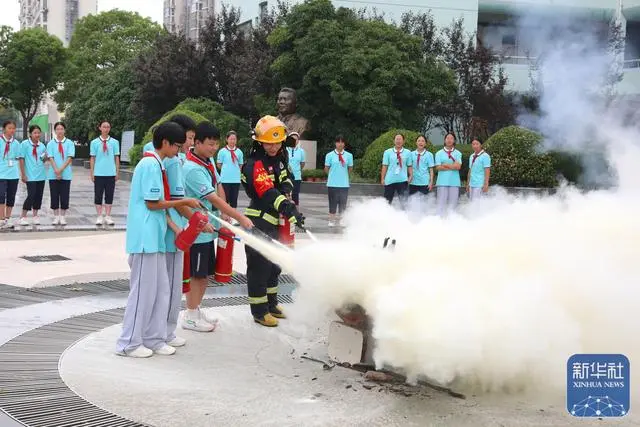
(104, 143)
(7, 145)
(61, 148)
(35, 151)
(234, 157)
(165, 179)
(399, 157)
(449, 153)
(418, 163)
(207, 165)
(475, 156)
(340, 157)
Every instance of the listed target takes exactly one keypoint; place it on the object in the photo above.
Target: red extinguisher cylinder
(190, 233)
(224, 256)
(286, 232)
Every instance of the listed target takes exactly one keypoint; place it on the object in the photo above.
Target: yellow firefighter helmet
(270, 130)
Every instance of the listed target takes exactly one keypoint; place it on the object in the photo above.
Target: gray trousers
(145, 318)
(475, 193)
(174, 274)
(447, 199)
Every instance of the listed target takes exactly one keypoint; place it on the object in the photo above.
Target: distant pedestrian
(105, 167)
(339, 164)
(423, 163)
(33, 158)
(397, 170)
(9, 172)
(479, 171)
(60, 152)
(297, 159)
(230, 160)
(448, 163)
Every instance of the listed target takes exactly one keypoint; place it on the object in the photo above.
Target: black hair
(8, 122)
(422, 136)
(103, 121)
(170, 131)
(340, 138)
(232, 132)
(59, 124)
(185, 121)
(452, 134)
(477, 138)
(403, 138)
(207, 130)
(34, 127)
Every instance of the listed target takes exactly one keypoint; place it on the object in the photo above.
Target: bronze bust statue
(287, 102)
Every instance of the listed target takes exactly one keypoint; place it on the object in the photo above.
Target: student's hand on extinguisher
(209, 228)
(192, 203)
(300, 220)
(245, 222)
(225, 217)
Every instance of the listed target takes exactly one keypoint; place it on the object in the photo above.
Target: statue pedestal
(310, 152)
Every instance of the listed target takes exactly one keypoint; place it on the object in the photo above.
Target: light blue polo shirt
(449, 178)
(105, 163)
(421, 171)
(198, 185)
(338, 174)
(53, 151)
(173, 166)
(230, 172)
(146, 229)
(33, 165)
(482, 162)
(296, 157)
(148, 147)
(395, 172)
(9, 168)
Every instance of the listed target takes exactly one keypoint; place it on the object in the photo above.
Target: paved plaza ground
(59, 321)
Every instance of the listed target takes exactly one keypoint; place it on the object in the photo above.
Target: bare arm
(22, 171)
(219, 166)
(302, 165)
(220, 191)
(487, 174)
(430, 178)
(172, 225)
(92, 162)
(383, 173)
(455, 166)
(67, 163)
(52, 163)
(117, 167)
(225, 209)
(156, 205)
(410, 173)
(443, 167)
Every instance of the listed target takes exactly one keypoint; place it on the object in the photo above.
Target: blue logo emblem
(598, 385)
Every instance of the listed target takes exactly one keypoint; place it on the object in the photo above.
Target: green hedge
(372, 160)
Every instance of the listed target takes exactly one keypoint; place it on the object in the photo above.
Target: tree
(101, 43)
(30, 67)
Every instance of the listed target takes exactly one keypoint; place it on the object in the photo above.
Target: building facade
(187, 16)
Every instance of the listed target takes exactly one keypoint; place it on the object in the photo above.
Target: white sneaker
(165, 350)
(55, 220)
(24, 221)
(139, 352)
(198, 325)
(177, 342)
(36, 220)
(212, 320)
(332, 224)
(99, 220)
(63, 221)
(10, 223)
(108, 220)
(3, 223)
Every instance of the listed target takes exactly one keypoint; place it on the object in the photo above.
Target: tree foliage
(31, 63)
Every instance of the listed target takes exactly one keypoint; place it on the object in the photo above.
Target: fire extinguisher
(188, 235)
(224, 256)
(286, 232)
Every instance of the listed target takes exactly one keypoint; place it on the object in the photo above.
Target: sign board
(128, 139)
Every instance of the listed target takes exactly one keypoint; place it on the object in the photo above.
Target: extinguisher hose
(231, 236)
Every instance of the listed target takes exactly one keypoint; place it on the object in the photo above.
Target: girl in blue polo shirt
(338, 163)
(229, 161)
(479, 171)
(423, 163)
(33, 157)
(448, 164)
(9, 172)
(297, 159)
(60, 152)
(105, 167)
(397, 170)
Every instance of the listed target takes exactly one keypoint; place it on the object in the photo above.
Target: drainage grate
(45, 258)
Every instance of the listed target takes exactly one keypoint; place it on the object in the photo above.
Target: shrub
(372, 160)
(568, 165)
(516, 161)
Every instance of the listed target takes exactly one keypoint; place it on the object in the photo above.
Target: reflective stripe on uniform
(243, 178)
(259, 214)
(273, 290)
(272, 177)
(258, 300)
(278, 201)
(287, 181)
(283, 174)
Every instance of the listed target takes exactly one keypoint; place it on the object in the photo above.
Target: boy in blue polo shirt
(297, 159)
(229, 161)
(423, 163)
(397, 170)
(144, 329)
(60, 152)
(479, 171)
(33, 158)
(448, 164)
(105, 167)
(9, 172)
(338, 163)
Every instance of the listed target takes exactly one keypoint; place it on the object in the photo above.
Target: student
(201, 182)
(338, 163)
(144, 329)
(448, 164)
(60, 152)
(423, 163)
(230, 159)
(33, 157)
(105, 167)
(9, 172)
(297, 159)
(479, 171)
(397, 170)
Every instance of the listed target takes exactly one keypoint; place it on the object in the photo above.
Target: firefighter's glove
(300, 220)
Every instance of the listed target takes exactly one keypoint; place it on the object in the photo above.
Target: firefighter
(268, 182)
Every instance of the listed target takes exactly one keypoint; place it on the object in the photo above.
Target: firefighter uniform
(267, 181)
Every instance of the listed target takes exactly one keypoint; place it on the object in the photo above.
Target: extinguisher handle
(231, 236)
